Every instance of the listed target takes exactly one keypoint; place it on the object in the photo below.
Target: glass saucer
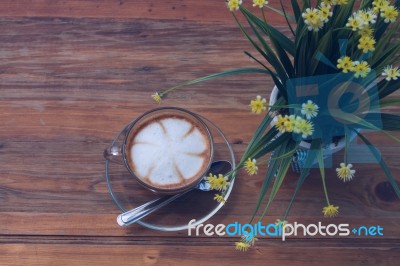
(127, 193)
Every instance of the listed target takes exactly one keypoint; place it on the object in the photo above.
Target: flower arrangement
(343, 46)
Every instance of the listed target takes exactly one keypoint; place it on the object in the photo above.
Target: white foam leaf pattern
(169, 152)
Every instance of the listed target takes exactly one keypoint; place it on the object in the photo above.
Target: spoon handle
(134, 215)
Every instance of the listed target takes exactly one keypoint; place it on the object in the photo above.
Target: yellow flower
(242, 246)
(361, 69)
(217, 183)
(296, 123)
(309, 109)
(355, 23)
(221, 182)
(249, 238)
(260, 3)
(366, 31)
(304, 127)
(290, 123)
(345, 64)
(345, 173)
(258, 105)
(342, 2)
(234, 4)
(156, 97)
(389, 13)
(219, 198)
(282, 223)
(284, 123)
(211, 180)
(367, 43)
(325, 12)
(312, 19)
(330, 211)
(379, 5)
(391, 73)
(251, 166)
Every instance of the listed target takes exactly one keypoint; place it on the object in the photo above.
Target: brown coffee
(169, 150)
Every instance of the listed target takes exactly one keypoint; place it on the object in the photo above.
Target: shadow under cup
(154, 117)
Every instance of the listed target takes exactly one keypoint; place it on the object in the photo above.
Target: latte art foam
(169, 152)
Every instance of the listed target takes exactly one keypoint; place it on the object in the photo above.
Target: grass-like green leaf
(272, 168)
(231, 72)
(386, 88)
(296, 10)
(287, 18)
(270, 146)
(267, 52)
(390, 122)
(305, 171)
(279, 37)
(282, 12)
(389, 102)
(324, 47)
(356, 120)
(365, 4)
(375, 152)
(284, 165)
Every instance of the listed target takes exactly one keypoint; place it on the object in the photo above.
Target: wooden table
(72, 73)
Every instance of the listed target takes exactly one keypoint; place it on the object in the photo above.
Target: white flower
(345, 173)
(309, 109)
(391, 73)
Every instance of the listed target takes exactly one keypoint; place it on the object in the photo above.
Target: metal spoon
(134, 215)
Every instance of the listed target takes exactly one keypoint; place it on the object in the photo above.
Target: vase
(304, 146)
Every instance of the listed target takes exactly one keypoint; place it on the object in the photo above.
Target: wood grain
(202, 254)
(73, 73)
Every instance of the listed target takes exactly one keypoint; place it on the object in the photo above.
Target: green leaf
(365, 4)
(381, 162)
(306, 4)
(267, 53)
(345, 11)
(386, 58)
(284, 165)
(320, 159)
(231, 72)
(280, 38)
(272, 168)
(272, 145)
(390, 122)
(296, 10)
(389, 102)
(305, 171)
(287, 18)
(281, 12)
(277, 81)
(383, 43)
(324, 47)
(356, 120)
(386, 88)
(259, 142)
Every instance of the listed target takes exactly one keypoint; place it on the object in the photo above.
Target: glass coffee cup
(167, 150)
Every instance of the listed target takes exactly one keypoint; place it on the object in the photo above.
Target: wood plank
(72, 73)
(149, 254)
(205, 11)
(76, 201)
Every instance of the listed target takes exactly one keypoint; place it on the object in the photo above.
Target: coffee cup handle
(114, 154)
